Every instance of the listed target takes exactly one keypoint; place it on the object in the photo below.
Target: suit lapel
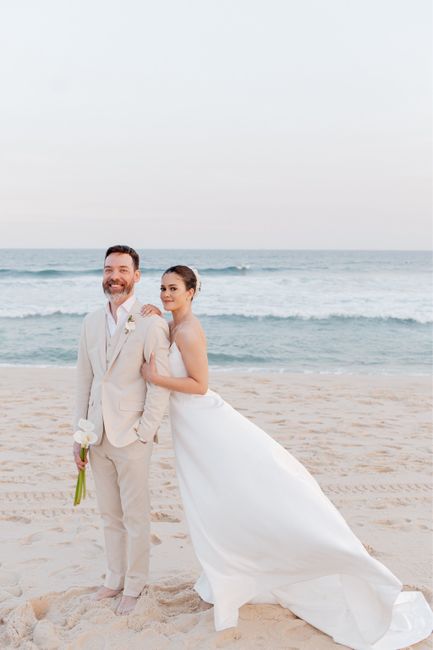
(102, 340)
(124, 334)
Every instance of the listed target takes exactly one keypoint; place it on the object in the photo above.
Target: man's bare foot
(126, 605)
(105, 592)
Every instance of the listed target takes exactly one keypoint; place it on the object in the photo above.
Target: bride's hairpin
(197, 275)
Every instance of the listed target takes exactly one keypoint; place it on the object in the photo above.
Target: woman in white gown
(262, 529)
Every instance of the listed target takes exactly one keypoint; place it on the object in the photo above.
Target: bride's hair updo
(189, 275)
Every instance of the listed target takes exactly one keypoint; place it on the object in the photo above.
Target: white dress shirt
(122, 314)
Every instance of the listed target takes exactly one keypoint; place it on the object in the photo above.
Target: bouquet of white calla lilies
(85, 437)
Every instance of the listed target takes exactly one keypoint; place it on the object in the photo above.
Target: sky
(216, 123)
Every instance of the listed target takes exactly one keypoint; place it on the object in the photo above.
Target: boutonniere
(130, 324)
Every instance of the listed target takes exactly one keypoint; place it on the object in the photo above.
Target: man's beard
(118, 296)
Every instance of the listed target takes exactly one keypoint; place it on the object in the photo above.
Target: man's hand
(76, 452)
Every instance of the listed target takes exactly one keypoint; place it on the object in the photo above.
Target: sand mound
(169, 614)
(71, 619)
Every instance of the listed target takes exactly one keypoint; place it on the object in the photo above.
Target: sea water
(286, 311)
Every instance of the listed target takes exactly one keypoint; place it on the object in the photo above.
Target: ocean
(280, 310)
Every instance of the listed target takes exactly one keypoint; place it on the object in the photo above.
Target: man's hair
(119, 248)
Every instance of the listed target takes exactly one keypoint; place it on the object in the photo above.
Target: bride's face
(174, 293)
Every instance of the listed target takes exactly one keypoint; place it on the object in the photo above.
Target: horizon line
(196, 248)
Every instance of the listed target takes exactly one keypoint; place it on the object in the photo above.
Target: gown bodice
(177, 366)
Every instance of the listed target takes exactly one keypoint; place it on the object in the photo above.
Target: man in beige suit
(127, 413)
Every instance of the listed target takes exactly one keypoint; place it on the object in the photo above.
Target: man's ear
(137, 275)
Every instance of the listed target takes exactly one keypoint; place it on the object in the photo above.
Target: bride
(262, 529)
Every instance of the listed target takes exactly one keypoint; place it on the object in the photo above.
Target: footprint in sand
(17, 518)
(38, 536)
(392, 523)
(34, 561)
(74, 568)
(175, 599)
(163, 516)
(9, 582)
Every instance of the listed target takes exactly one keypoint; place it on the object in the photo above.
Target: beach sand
(366, 440)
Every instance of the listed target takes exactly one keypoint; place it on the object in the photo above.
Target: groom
(127, 413)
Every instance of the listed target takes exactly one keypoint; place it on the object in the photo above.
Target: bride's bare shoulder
(191, 332)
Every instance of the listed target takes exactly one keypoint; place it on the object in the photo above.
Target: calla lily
(86, 425)
(85, 438)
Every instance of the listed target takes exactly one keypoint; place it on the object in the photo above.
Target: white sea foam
(260, 315)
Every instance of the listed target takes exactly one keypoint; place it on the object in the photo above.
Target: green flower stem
(83, 454)
(80, 489)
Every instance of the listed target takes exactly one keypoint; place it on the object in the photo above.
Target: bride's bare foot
(126, 605)
(105, 592)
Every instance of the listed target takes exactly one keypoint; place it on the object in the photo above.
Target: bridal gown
(264, 532)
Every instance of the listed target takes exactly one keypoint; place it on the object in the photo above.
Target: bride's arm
(193, 350)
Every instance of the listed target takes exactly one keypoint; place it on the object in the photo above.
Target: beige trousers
(121, 480)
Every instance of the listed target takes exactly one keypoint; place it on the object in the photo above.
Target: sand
(366, 439)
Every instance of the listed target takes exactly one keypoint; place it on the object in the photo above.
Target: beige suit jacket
(113, 394)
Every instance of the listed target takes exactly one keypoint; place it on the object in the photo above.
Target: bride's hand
(149, 310)
(148, 370)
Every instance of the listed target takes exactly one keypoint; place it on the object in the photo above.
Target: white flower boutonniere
(130, 325)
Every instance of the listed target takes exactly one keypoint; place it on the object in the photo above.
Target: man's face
(119, 277)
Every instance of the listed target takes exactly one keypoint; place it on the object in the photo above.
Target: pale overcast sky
(216, 123)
